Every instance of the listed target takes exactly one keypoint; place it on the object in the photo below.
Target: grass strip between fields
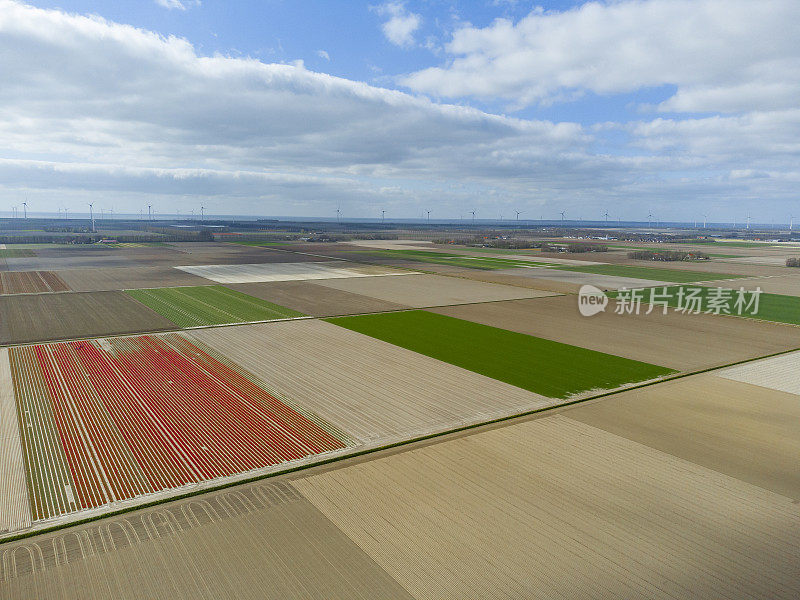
(778, 308)
(538, 365)
(209, 305)
(650, 273)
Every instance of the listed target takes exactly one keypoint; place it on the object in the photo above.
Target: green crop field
(542, 366)
(16, 253)
(209, 305)
(650, 273)
(771, 307)
(460, 260)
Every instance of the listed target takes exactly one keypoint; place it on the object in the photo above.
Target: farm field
(542, 366)
(109, 420)
(555, 508)
(651, 273)
(285, 271)
(780, 373)
(45, 317)
(746, 431)
(316, 300)
(670, 340)
(188, 550)
(577, 278)
(459, 260)
(95, 280)
(16, 253)
(785, 285)
(15, 513)
(31, 282)
(518, 278)
(209, 305)
(375, 391)
(421, 290)
(771, 307)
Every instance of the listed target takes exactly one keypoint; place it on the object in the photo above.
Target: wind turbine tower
(91, 216)
(25, 209)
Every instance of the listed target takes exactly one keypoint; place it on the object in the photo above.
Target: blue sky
(630, 106)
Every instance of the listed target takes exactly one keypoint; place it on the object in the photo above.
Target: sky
(675, 108)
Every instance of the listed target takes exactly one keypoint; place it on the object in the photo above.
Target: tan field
(262, 541)
(43, 317)
(316, 300)
(370, 389)
(683, 342)
(430, 290)
(576, 278)
(91, 280)
(554, 508)
(505, 278)
(745, 431)
(788, 285)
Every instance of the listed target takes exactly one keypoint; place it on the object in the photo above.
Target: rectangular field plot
(47, 317)
(651, 273)
(109, 420)
(541, 366)
(209, 305)
(421, 290)
(95, 280)
(555, 509)
(287, 271)
(31, 282)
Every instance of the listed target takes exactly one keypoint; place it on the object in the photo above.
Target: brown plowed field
(262, 541)
(44, 317)
(315, 300)
(91, 280)
(555, 508)
(31, 282)
(745, 431)
(430, 290)
(683, 342)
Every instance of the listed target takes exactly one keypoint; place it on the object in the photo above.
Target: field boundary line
(376, 449)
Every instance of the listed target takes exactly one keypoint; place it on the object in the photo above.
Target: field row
(110, 420)
(31, 282)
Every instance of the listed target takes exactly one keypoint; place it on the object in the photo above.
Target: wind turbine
(25, 208)
(606, 216)
(338, 214)
(518, 213)
(202, 213)
(473, 217)
(562, 216)
(748, 221)
(383, 216)
(13, 212)
(149, 212)
(66, 218)
(704, 221)
(91, 216)
(429, 216)
(791, 222)
(650, 220)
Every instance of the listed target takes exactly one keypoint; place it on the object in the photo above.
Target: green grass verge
(209, 305)
(16, 253)
(542, 366)
(771, 307)
(650, 273)
(459, 260)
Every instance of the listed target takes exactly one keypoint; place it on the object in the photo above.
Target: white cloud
(401, 26)
(95, 110)
(721, 55)
(323, 54)
(178, 4)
